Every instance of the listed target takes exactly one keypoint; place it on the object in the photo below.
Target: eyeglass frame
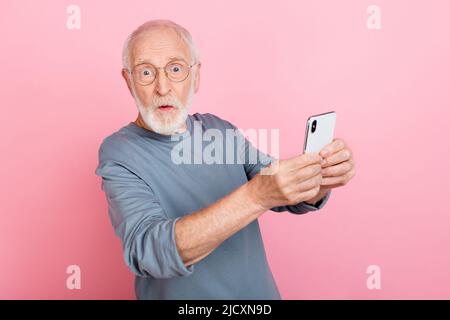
(165, 71)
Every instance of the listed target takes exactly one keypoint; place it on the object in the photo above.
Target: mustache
(166, 101)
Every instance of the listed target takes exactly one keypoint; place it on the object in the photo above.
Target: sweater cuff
(305, 207)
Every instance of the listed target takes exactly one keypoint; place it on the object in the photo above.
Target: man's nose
(162, 83)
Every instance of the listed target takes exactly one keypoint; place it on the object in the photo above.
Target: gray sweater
(148, 188)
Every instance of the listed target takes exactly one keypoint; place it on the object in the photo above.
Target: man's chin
(165, 121)
(166, 116)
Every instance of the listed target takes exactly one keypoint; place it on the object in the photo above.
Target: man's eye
(175, 68)
(146, 72)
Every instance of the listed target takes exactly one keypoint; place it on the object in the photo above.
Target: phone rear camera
(314, 125)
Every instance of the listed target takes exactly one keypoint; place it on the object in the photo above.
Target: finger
(331, 186)
(338, 157)
(328, 181)
(310, 182)
(308, 172)
(338, 169)
(338, 181)
(304, 160)
(310, 158)
(308, 194)
(333, 147)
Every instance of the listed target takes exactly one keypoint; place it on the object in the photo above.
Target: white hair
(181, 31)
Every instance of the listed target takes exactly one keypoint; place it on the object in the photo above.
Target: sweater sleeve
(147, 235)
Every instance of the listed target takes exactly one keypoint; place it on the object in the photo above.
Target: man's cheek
(144, 96)
(144, 99)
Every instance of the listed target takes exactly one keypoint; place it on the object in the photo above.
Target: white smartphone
(319, 131)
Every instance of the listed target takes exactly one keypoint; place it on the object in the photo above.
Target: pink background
(265, 64)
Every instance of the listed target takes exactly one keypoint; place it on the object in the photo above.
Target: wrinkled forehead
(158, 46)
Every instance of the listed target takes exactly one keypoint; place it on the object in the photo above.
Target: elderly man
(190, 230)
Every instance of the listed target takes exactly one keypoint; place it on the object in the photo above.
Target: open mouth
(166, 108)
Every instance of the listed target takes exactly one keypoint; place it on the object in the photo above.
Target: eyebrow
(173, 58)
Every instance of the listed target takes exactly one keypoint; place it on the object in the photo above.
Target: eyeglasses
(175, 71)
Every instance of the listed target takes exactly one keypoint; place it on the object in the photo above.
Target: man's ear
(126, 76)
(197, 77)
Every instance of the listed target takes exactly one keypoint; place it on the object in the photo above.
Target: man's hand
(287, 182)
(338, 168)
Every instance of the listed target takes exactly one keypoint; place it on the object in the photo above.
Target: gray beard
(165, 124)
